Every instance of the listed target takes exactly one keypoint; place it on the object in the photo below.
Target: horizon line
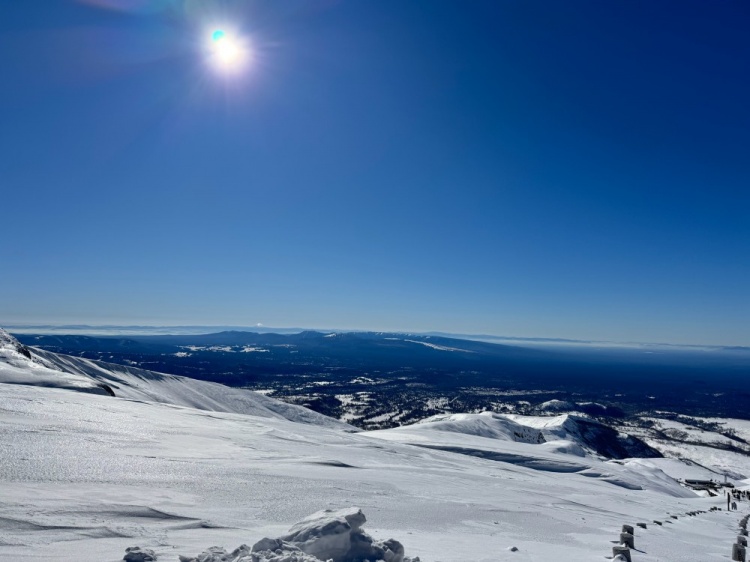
(198, 329)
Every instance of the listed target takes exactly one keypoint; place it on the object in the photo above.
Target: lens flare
(228, 53)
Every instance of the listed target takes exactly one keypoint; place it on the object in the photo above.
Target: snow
(678, 469)
(244, 554)
(741, 428)
(439, 347)
(437, 403)
(138, 554)
(705, 449)
(499, 438)
(19, 366)
(690, 433)
(44, 368)
(557, 406)
(85, 476)
(335, 536)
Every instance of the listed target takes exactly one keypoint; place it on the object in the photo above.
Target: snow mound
(333, 536)
(557, 406)
(486, 424)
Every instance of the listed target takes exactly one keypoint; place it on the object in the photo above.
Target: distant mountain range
(146, 330)
(379, 379)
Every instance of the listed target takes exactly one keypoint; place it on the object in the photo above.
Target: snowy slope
(22, 365)
(84, 476)
(573, 434)
(713, 452)
(18, 365)
(551, 445)
(741, 428)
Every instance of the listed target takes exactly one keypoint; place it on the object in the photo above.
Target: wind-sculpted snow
(18, 365)
(331, 535)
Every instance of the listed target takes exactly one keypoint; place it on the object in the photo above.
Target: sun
(227, 52)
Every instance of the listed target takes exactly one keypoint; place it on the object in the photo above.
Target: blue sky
(545, 169)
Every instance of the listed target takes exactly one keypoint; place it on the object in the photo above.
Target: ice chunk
(138, 554)
(333, 536)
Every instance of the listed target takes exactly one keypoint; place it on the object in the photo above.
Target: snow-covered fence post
(642, 525)
(623, 551)
(627, 539)
(742, 540)
(738, 553)
(628, 529)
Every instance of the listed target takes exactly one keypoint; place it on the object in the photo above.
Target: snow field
(175, 465)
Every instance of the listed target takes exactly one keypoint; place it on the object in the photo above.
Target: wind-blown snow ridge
(19, 365)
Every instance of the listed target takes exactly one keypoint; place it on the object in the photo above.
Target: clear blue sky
(555, 169)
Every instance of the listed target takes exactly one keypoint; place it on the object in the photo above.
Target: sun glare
(228, 53)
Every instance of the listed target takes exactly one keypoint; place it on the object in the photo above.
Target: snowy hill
(83, 476)
(572, 432)
(24, 365)
(557, 445)
(18, 365)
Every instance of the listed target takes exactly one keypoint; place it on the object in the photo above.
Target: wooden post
(642, 525)
(627, 539)
(628, 529)
(742, 540)
(738, 553)
(623, 551)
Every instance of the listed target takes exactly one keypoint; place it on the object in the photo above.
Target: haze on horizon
(574, 170)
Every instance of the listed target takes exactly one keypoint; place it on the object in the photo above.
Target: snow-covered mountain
(173, 466)
(24, 365)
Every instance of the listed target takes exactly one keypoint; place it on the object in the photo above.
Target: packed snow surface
(84, 476)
